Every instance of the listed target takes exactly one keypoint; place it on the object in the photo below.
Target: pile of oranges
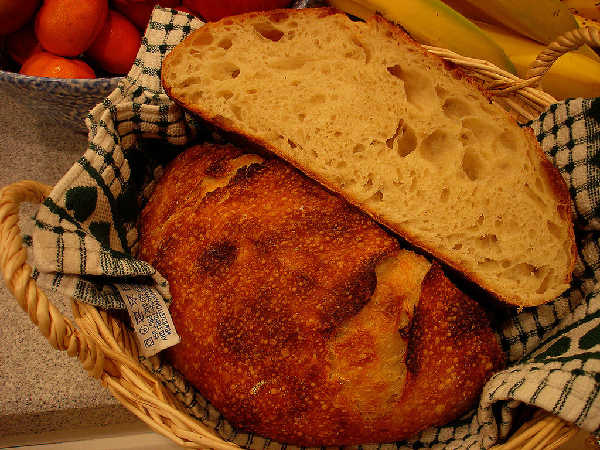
(78, 38)
(75, 38)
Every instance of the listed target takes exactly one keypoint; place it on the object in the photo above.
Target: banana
(586, 22)
(572, 75)
(540, 20)
(589, 9)
(431, 22)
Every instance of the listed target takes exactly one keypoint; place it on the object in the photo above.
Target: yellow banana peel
(572, 75)
(540, 20)
(431, 22)
(590, 9)
(586, 21)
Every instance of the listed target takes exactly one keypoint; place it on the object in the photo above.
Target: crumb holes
(478, 127)
(505, 264)
(418, 88)
(444, 195)
(441, 92)
(434, 146)
(237, 112)
(472, 165)
(295, 83)
(225, 43)
(522, 271)
(202, 38)
(455, 108)
(396, 71)
(224, 70)
(228, 22)
(341, 164)
(317, 99)
(404, 140)
(487, 240)
(325, 70)
(268, 31)
(480, 220)
(545, 281)
(369, 181)
(390, 142)
(506, 142)
(358, 148)
(293, 24)
(225, 94)
(457, 246)
(338, 134)
(291, 143)
(364, 50)
(301, 117)
(377, 197)
(251, 91)
(284, 63)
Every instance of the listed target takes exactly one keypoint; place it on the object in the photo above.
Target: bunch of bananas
(508, 33)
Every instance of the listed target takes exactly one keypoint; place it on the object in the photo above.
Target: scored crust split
(300, 318)
(368, 113)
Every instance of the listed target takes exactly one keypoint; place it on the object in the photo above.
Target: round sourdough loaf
(300, 318)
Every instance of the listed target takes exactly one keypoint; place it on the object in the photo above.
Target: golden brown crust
(273, 281)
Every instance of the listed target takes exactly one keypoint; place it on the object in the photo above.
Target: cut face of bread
(369, 114)
(300, 318)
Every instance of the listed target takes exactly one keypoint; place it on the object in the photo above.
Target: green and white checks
(86, 235)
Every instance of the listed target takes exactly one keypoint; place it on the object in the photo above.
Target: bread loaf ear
(371, 115)
(300, 318)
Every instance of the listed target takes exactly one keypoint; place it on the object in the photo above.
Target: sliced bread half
(366, 111)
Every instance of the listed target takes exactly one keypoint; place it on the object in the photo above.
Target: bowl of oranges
(59, 58)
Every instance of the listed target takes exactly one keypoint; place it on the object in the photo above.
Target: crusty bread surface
(300, 318)
(368, 113)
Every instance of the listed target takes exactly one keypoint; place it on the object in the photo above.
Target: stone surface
(41, 389)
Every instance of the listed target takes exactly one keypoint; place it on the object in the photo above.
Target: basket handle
(58, 329)
(565, 43)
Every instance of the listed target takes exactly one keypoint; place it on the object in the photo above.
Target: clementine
(21, 44)
(44, 64)
(68, 27)
(117, 44)
(14, 14)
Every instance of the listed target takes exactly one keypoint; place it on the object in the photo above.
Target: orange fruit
(117, 44)
(139, 12)
(16, 13)
(44, 64)
(21, 44)
(68, 27)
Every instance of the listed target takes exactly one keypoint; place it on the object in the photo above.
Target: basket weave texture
(136, 130)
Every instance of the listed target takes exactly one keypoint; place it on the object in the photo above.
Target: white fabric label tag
(150, 318)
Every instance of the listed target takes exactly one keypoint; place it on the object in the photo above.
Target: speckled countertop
(41, 389)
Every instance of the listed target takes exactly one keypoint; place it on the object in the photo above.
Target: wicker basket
(107, 349)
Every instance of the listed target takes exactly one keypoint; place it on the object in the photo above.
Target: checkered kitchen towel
(85, 238)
